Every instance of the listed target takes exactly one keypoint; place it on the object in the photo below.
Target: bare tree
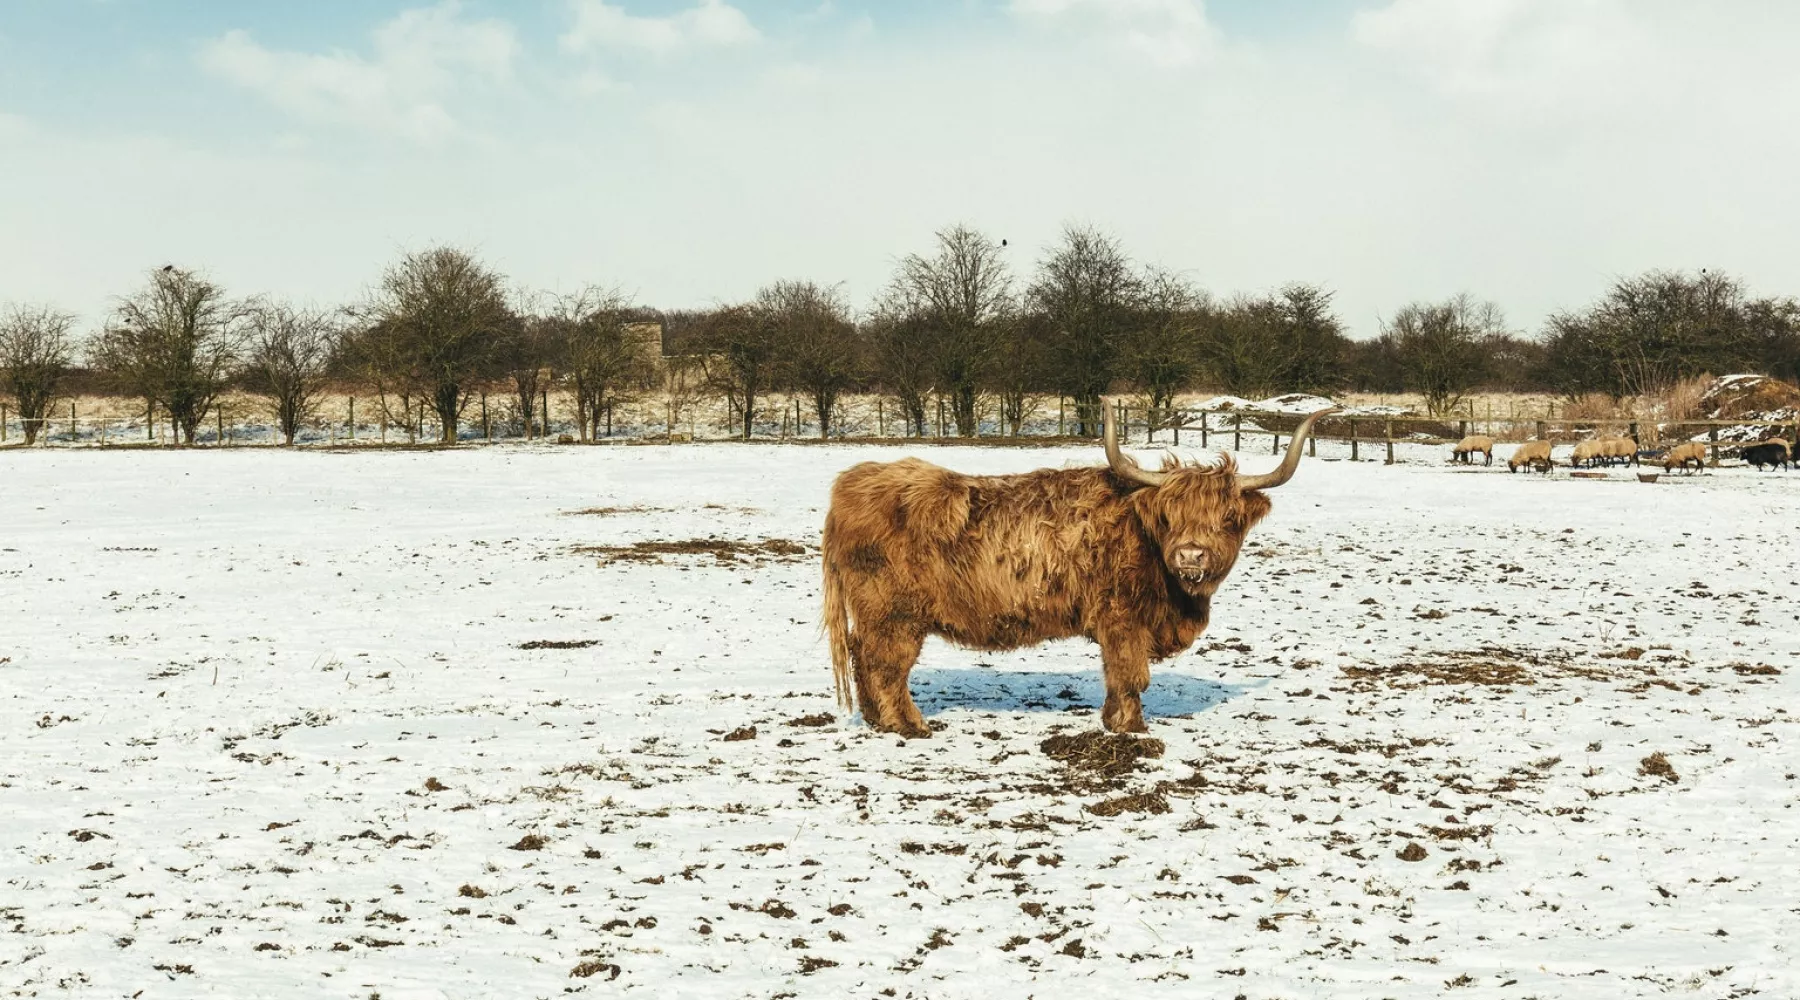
(1160, 351)
(447, 319)
(1086, 288)
(901, 356)
(1260, 345)
(959, 297)
(604, 353)
(36, 348)
(290, 353)
(740, 355)
(821, 354)
(1019, 368)
(1440, 347)
(175, 342)
(533, 351)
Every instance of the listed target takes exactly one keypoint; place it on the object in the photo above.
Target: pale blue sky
(691, 150)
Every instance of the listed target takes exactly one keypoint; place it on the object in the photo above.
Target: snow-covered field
(377, 724)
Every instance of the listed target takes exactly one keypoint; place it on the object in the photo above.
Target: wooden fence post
(1389, 433)
(2, 423)
(880, 419)
(102, 432)
(1713, 433)
(1275, 443)
(353, 419)
(71, 421)
(150, 421)
(1541, 435)
(1178, 418)
(1312, 445)
(1203, 430)
(1237, 432)
(1353, 442)
(487, 428)
(544, 413)
(218, 411)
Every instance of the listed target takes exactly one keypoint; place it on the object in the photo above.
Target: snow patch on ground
(479, 723)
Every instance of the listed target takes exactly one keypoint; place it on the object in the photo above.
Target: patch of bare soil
(559, 644)
(615, 511)
(723, 551)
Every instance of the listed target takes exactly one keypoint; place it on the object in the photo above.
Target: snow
(1298, 403)
(269, 731)
(1226, 403)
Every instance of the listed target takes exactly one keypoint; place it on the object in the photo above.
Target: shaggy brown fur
(1531, 454)
(1000, 562)
(1466, 448)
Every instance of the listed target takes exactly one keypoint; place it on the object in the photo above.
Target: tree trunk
(445, 402)
(962, 404)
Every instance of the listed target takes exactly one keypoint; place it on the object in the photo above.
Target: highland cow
(1122, 555)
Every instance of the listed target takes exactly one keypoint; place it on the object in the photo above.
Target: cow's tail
(836, 626)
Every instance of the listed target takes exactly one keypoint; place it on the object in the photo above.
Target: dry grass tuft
(1657, 766)
(724, 551)
(1105, 755)
(1152, 801)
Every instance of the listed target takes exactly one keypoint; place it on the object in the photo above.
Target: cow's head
(1199, 514)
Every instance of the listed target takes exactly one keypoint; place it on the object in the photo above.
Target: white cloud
(1528, 55)
(1167, 32)
(708, 24)
(419, 60)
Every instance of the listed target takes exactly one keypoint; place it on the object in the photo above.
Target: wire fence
(1371, 433)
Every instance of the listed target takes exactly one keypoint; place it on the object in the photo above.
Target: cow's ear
(1253, 507)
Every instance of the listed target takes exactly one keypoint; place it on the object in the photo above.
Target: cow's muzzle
(1190, 565)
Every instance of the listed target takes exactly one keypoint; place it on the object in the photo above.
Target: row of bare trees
(956, 327)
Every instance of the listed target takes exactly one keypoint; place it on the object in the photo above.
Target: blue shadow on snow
(988, 690)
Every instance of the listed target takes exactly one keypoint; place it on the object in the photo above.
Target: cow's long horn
(1285, 471)
(1122, 463)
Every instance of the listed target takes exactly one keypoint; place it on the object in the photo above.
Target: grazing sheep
(1532, 454)
(1466, 448)
(1620, 450)
(1682, 454)
(1586, 453)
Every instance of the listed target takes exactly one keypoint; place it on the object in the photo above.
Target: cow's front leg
(1127, 665)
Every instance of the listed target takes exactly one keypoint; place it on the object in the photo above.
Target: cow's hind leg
(1127, 675)
(884, 661)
